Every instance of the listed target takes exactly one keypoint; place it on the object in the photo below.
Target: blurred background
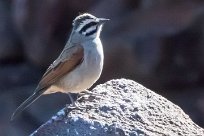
(158, 43)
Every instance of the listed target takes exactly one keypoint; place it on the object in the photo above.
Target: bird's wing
(69, 59)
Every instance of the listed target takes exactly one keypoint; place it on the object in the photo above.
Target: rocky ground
(156, 43)
(121, 108)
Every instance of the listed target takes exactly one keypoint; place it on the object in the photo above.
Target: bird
(78, 66)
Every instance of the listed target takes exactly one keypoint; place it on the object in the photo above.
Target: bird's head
(88, 26)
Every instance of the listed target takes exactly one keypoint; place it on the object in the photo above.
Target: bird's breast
(87, 73)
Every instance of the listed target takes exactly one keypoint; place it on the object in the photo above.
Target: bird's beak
(103, 20)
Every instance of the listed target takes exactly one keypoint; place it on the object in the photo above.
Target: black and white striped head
(88, 25)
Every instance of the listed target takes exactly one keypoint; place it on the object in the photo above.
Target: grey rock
(118, 108)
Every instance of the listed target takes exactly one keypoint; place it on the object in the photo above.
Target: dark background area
(158, 43)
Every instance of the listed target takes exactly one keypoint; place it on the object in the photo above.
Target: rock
(117, 108)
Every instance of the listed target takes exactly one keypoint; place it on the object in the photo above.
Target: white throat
(97, 34)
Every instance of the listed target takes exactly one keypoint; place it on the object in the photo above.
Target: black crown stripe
(84, 28)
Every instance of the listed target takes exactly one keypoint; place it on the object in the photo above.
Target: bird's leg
(74, 104)
(71, 99)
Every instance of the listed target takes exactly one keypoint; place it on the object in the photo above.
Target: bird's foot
(75, 106)
(87, 92)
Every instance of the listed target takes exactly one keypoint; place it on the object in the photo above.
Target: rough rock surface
(121, 107)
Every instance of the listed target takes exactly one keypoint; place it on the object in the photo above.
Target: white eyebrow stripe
(85, 22)
(91, 29)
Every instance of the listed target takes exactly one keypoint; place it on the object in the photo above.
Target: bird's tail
(26, 103)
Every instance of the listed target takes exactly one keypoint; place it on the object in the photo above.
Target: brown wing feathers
(69, 59)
